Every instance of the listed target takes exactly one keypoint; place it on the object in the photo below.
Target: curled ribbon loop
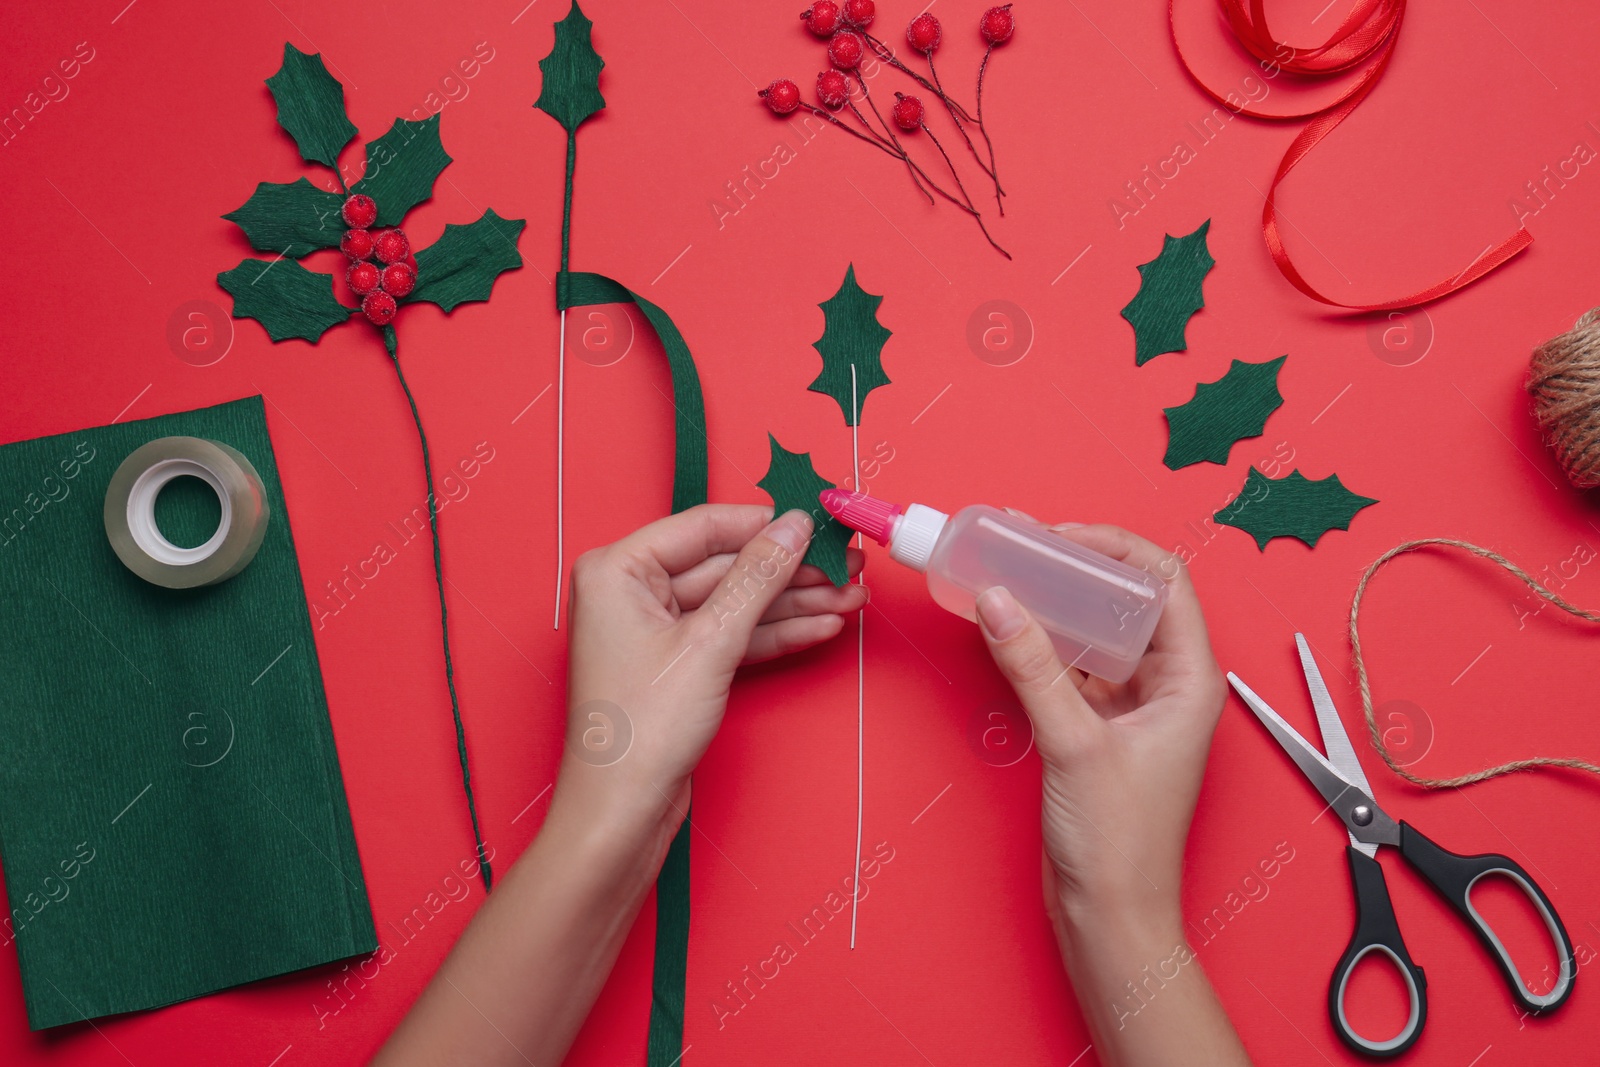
(1367, 35)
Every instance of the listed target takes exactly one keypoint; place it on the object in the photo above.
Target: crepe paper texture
(1169, 294)
(792, 482)
(297, 219)
(172, 815)
(570, 93)
(852, 336)
(1222, 412)
(1291, 506)
(689, 471)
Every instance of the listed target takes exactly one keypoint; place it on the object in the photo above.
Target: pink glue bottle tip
(873, 517)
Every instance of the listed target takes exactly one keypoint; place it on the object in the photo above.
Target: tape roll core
(130, 518)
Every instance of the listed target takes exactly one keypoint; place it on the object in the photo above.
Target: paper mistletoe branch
(570, 94)
(1169, 294)
(1222, 412)
(1291, 506)
(296, 219)
(851, 347)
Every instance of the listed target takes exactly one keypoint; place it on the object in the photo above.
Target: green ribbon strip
(689, 487)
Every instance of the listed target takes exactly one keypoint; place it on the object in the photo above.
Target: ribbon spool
(130, 512)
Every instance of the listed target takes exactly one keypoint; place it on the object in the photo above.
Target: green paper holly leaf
(851, 336)
(402, 166)
(293, 219)
(1291, 506)
(570, 92)
(311, 106)
(792, 482)
(463, 264)
(1229, 409)
(1169, 294)
(283, 296)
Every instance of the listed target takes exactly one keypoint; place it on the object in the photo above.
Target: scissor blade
(1335, 741)
(1341, 795)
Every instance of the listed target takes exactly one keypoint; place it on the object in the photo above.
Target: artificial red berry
(997, 24)
(833, 89)
(782, 96)
(907, 112)
(359, 211)
(378, 307)
(822, 18)
(924, 33)
(357, 244)
(398, 279)
(363, 277)
(859, 13)
(846, 49)
(391, 246)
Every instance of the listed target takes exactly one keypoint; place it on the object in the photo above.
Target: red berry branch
(844, 26)
(394, 275)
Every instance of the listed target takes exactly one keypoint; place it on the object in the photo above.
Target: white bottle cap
(914, 535)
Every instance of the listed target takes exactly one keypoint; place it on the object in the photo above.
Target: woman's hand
(1122, 770)
(660, 621)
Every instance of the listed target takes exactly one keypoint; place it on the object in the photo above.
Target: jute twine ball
(1564, 381)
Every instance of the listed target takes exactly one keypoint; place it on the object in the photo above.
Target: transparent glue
(1098, 611)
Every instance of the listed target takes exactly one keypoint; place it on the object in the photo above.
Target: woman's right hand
(1122, 769)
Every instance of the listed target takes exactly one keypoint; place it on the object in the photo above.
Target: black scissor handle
(1454, 876)
(1376, 931)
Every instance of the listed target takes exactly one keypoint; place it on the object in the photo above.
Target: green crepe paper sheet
(1222, 412)
(852, 336)
(1169, 294)
(792, 482)
(1291, 506)
(172, 815)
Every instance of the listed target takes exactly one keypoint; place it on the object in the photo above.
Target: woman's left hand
(660, 621)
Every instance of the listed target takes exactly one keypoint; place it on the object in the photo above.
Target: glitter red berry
(907, 112)
(359, 211)
(398, 279)
(997, 24)
(859, 13)
(924, 33)
(379, 307)
(390, 246)
(357, 244)
(833, 89)
(822, 18)
(782, 96)
(363, 278)
(846, 49)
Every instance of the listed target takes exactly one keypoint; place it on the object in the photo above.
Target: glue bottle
(1099, 612)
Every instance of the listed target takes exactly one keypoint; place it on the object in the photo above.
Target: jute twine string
(1366, 690)
(1564, 382)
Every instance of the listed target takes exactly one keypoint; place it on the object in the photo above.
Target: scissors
(1339, 778)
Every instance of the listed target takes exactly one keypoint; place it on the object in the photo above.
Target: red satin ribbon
(1368, 34)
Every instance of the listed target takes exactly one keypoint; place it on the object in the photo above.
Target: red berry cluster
(395, 272)
(845, 27)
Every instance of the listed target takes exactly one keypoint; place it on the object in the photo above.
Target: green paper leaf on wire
(851, 336)
(283, 296)
(311, 106)
(570, 92)
(462, 265)
(402, 166)
(292, 219)
(1222, 412)
(1291, 506)
(1169, 294)
(792, 482)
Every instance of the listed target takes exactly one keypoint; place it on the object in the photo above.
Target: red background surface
(112, 198)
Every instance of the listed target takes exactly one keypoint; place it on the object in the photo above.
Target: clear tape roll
(130, 512)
